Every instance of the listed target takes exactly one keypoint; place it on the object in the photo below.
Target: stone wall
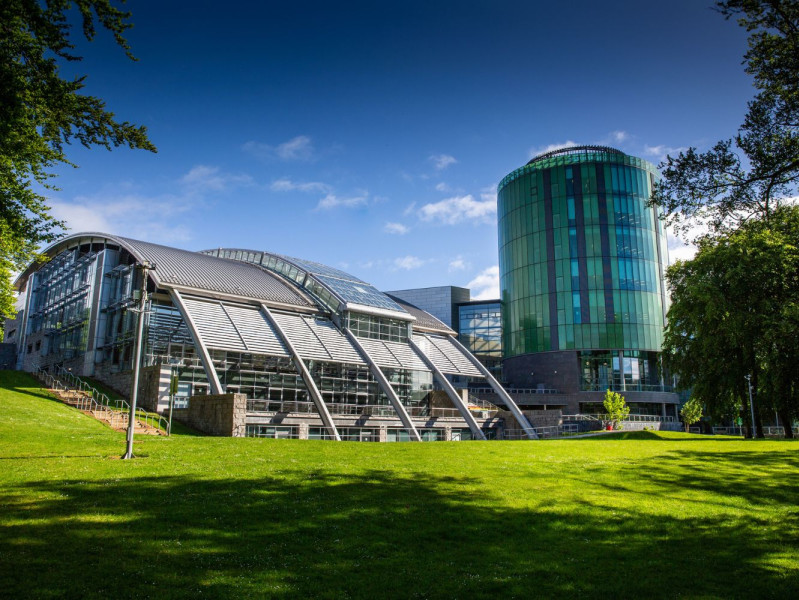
(222, 414)
(122, 382)
(537, 418)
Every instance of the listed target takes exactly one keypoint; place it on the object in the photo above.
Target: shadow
(48, 456)
(378, 534)
(657, 436)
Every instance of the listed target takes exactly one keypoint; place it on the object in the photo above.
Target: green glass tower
(582, 258)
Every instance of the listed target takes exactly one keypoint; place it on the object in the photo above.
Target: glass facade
(581, 261)
(377, 328)
(480, 331)
(61, 301)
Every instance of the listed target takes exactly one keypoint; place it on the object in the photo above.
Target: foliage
(691, 412)
(750, 175)
(40, 113)
(735, 311)
(241, 518)
(616, 408)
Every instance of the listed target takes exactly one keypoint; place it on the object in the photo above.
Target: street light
(751, 405)
(144, 266)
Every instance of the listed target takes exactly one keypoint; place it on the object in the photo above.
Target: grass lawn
(626, 515)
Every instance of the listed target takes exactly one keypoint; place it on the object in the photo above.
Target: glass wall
(581, 255)
(61, 301)
(480, 331)
(378, 328)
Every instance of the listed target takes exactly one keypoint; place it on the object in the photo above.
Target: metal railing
(87, 398)
(628, 418)
(769, 431)
(517, 434)
(335, 408)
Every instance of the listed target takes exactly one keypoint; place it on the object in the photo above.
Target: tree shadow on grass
(656, 436)
(371, 535)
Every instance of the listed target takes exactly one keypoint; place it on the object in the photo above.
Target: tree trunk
(787, 423)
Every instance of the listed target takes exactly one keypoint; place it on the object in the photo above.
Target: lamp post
(751, 405)
(145, 266)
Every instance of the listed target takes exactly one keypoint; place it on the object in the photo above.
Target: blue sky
(371, 135)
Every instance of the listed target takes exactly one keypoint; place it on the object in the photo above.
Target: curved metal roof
(186, 269)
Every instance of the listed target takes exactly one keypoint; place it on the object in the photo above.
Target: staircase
(73, 391)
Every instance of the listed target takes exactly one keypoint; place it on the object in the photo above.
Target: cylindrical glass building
(582, 258)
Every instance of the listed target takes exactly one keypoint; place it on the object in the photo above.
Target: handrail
(116, 411)
(255, 405)
(629, 418)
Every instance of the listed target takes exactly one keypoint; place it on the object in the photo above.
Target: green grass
(625, 515)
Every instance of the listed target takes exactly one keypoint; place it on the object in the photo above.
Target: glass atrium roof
(341, 286)
(320, 269)
(359, 292)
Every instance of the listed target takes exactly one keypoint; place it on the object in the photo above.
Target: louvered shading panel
(317, 339)
(395, 355)
(234, 328)
(446, 356)
(257, 332)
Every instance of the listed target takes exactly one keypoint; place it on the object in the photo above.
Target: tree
(735, 312)
(616, 408)
(691, 412)
(40, 113)
(750, 175)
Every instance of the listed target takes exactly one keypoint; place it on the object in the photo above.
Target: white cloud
(298, 148)
(461, 208)
(129, 215)
(286, 185)
(409, 209)
(458, 265)
(659, 152)
(442, 161)
(619, 136)
(408, 263)
(203, 178)
(332, 201)
(124, 211)
(485, 286)
(442, 187)
(551, 147)
(397, 228)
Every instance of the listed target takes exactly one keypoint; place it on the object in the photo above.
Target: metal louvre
(394, 355)
(317, 339)
(234, 328)
(258, 334)
(446, 356)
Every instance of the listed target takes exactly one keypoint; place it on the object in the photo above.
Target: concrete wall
(222, 415)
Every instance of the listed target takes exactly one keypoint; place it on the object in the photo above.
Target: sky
(371, 136)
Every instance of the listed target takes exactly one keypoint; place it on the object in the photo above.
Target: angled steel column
(205, 357)
(318, 401)
(451, 392)
(500, 391)
(385, 385)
